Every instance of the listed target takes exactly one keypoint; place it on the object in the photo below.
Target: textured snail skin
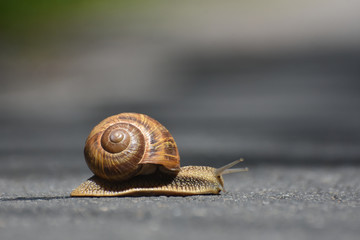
(191, 180)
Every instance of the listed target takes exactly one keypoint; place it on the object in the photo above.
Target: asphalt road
(272, 202)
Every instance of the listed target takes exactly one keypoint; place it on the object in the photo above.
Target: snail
(132, 154)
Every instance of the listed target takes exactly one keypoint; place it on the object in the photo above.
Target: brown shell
(130, 144)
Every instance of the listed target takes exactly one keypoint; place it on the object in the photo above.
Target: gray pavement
(300, 143)
(272, 202)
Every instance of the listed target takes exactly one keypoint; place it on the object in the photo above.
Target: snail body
(132, 154)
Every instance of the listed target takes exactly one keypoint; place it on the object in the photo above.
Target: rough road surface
(266, 202)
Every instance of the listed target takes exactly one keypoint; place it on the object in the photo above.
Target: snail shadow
(34, 198)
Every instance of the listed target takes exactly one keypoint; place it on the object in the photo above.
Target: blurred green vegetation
(21, 19)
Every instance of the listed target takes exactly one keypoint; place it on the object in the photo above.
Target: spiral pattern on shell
(129, 144)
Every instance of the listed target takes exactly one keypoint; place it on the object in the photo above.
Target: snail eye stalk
(226, 169)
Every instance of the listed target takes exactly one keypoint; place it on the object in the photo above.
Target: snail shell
(133, 154)
(130, 144)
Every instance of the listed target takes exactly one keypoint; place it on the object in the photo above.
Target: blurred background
(275, 82)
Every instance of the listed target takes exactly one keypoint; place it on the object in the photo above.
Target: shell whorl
(129, 144)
